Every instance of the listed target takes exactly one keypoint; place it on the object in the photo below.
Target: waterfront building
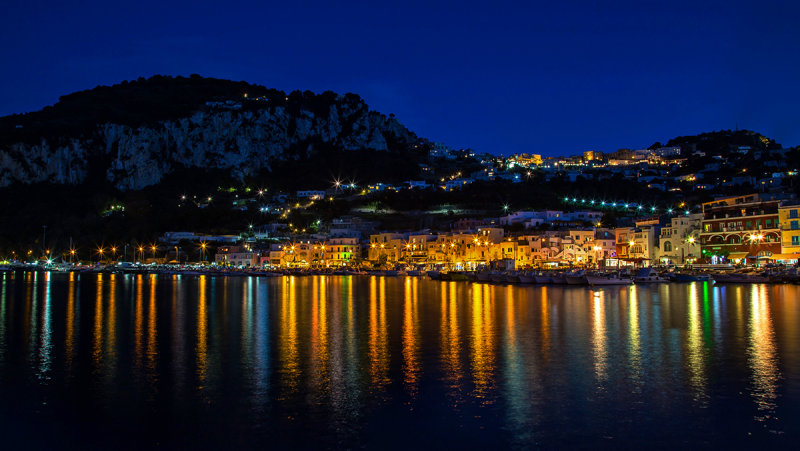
(679, 242)
(789, 220)
(741, 228)
(387, 246)
(237, 256)
(638, 245)
(337, 251)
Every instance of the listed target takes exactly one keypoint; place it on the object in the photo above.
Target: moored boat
(740, 278)
(607, 279)
(576, 278)
(692, 277)
(649, 275)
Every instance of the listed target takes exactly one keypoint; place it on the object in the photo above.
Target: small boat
(526, 279)
(692, 277)
(414, 273)
(558, 279)
(740, 278)
(435, 275)
(484, 276)
(497, 277)
(542, 278)
(576, 278)
(456, 276)
(649, 275)
(607, 279)
(512, 277)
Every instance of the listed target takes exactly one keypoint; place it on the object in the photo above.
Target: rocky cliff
(219, 136)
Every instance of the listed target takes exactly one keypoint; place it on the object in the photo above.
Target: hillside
(134, 134)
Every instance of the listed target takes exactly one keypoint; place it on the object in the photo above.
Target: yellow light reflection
(411, 365)
(695, 353)
(288, 345)
(545, 328)
(152, 330)
(97, 337)
(201, 349)
(762, 354)
(111, 327)
(320, 352)
(634, 337)
(599, 349)
(138, 322)
(71, 326)
(482, 355)
(378, 334)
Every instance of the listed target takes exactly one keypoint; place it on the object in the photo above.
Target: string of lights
(633, 207)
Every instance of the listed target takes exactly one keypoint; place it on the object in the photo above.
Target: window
(667, 246)
(794, 225)
(793, 213)
(796, 240)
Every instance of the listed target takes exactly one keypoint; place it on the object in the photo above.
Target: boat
(558, 279)
(435, 275)
(526, 279)
(512, 277)
(454, 276)
(649, 275)
(497, 277)
(542, 278)
(414, 273)
(607, 279)
(575, 278)
(740, 278)
(355, 273)
(484, 276)
(692, 277)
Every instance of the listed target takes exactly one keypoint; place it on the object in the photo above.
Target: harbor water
(141, 361)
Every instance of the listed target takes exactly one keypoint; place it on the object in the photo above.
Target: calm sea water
(108, 361)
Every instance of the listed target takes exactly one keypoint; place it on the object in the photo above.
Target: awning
(785, 256)
(737, 255)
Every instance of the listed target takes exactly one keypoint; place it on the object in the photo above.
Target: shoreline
(522, 278)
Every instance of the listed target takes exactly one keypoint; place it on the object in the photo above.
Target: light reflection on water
(348, 360)
(762, 355)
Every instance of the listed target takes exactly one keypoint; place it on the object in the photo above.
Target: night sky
(501, 77)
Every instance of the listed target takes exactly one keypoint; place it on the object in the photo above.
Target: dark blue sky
(503, 77)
